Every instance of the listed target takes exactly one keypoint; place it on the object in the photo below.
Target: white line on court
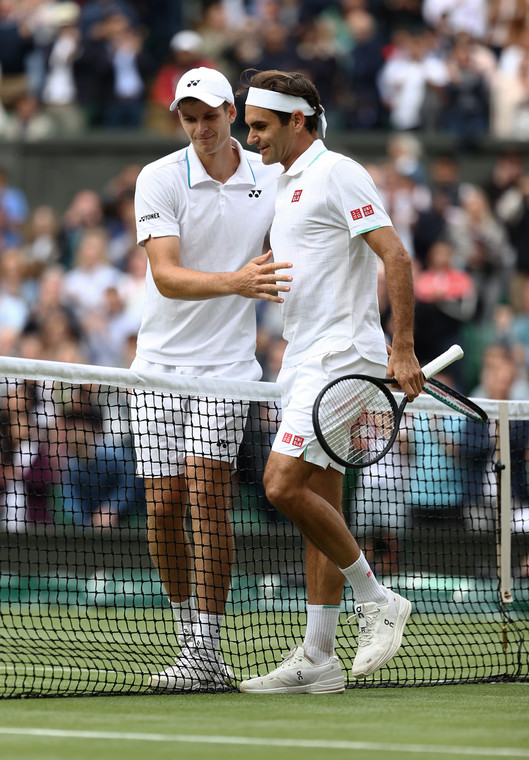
(252, 741)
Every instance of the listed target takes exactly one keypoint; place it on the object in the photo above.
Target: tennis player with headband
(330, 223)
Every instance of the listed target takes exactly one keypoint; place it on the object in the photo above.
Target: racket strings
(357, 420)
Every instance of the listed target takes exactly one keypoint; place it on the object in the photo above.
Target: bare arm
(257, 279)
(403, 364)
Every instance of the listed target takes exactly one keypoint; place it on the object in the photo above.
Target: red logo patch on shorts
(298, 441)
(296, 196)
(367, 210)
(287, 437)
(356, 214)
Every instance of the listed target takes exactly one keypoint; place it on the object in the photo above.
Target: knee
(276, 489)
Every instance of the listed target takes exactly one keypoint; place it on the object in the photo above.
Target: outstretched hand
(259, 279)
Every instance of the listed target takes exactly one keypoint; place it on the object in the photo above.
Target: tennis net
(443, 520)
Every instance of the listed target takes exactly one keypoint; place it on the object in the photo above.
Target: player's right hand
(259, 279)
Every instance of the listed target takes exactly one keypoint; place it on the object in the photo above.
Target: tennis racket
(356, 418)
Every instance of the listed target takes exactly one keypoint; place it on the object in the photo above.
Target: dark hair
(288, 83)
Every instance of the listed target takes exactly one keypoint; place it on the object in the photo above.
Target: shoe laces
(289, 657)
(366, 623)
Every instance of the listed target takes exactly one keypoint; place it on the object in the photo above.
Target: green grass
(449, 721)
(49, 650)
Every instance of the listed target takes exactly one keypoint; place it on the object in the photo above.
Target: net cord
(37, 369)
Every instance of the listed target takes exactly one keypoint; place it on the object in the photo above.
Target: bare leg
(325, 581)
(287, 485)
(169, 544)
(209, 484)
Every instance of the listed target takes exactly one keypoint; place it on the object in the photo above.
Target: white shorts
(169, 429)
(299, 387)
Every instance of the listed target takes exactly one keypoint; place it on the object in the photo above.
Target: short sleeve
(354, 198)
(155, 205)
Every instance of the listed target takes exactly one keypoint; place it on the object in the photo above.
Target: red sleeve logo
(298, 441)
(367, 210)
(356, 214)
(296, 196)
(287, 437)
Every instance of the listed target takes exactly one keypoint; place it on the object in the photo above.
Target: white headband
(278, 101)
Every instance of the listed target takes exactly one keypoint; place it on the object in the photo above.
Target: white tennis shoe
(298, 675)
(195, 669)
(380, 629)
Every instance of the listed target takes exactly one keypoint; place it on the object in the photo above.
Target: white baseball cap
(207, 85)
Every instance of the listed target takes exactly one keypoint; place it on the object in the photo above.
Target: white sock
(322, 621)
(185, 614)
(365, 586)
(207, 631)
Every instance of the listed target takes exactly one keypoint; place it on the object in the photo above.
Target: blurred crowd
(72, 282)
(460, 66)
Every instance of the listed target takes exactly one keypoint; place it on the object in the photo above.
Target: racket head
(454, 400)
(356, 420)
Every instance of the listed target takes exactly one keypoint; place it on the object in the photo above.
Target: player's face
(276, 143)
(207, 128)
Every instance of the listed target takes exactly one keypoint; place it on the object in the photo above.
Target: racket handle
(454, 353)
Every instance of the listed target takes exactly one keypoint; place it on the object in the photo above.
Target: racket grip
(454, 353)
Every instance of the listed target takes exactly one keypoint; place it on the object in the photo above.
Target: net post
(504, 504)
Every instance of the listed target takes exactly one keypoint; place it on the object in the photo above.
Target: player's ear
(232, 113)
(298, 121)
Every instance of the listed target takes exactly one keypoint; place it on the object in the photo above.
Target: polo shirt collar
(197, 174)
(307, 158)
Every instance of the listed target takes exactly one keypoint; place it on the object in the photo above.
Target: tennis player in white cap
(330, 219)
(203, 214)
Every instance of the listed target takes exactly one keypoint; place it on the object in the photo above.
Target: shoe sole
(334, 687)
(402, 619)
(156, 683)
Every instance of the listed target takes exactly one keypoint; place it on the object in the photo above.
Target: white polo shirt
(324, 202)
(221, 227)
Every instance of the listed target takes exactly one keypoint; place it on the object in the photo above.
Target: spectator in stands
(500, 376)
(445, 298)
(106, 328)
(405, 77)
(318, 58)
(482, 248)
(27, 473)
(85, 212)
(500, 381)
(451, 17)
(28, 121)
(99, 485)
(218, 38)
(15, 208)
(435, 484)
(445, 175)
(132, 69)
(86, 283)
(15, 45)
(466, 114)
(430, 225)
(122, 230)
(41, 249)
(94, 71)
(185, 54)
(132, 287)
(59, 89)
(359, 98)
(16, 291)
(512, 207)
